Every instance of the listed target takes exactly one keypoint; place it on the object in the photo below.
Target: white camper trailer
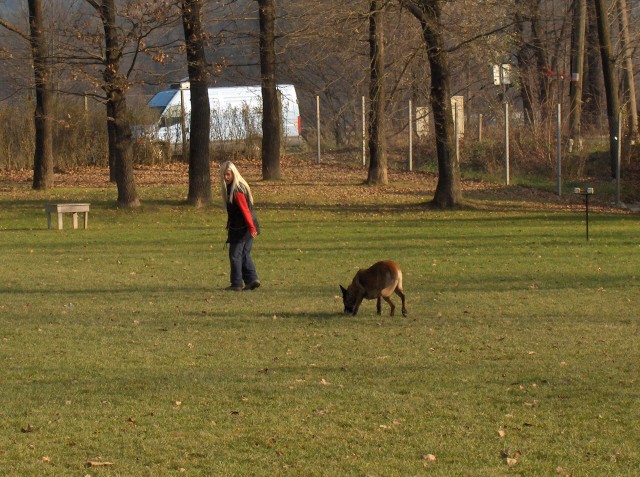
(236, 113)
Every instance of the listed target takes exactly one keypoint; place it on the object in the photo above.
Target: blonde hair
(238, 184)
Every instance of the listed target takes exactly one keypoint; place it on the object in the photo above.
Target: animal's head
(348, 299)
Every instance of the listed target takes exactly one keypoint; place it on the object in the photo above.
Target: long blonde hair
(238, 184)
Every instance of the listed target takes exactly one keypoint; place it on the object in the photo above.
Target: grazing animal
(378, 281)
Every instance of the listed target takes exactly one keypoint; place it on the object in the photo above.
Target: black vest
(237, 227)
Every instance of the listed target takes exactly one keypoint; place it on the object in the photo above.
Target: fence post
(559, 148)
(480, 127)
(618, 158)
(410, 136)
(506, 141)
(455, 132)
(318, 125)
(364, 133)
(183, 124)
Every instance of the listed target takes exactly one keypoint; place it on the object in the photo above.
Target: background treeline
(322, 48)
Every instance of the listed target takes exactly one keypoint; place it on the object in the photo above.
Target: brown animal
(378, 281)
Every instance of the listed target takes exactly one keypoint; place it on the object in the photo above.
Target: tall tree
(115, 86)
(199, 165)
(610, 80)
(43, 177)
(271, 114)
(629, 91)
(377, 97)
(577, 70)
(592, 87)
(428, 12)
(43, 114)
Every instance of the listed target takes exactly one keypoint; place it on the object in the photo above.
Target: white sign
(502, 74)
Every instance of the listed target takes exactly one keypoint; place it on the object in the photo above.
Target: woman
(242, 227)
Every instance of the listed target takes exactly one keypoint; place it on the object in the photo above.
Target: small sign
(502, 74)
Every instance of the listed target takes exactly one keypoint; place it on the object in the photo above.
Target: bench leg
(59, 220)
(74, 217)
(86, 220)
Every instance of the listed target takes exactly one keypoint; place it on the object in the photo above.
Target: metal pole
(618, 157)
(455, 132)
(559, 148)
(318, 125)
(184, 126)
(410, 136)
(587, 213)
(364, 132)
(506, 140)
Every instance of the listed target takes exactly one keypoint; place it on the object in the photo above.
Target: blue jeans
(242, 267)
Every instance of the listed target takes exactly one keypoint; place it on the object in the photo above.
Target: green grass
(119, 345)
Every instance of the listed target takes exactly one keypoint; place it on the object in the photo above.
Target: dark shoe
(233, 289)
(253, 285)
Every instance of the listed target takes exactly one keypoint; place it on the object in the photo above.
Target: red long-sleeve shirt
(241, 200)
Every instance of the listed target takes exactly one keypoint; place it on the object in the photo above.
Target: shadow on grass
(306, 315)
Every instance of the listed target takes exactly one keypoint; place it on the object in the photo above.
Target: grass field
(123, 356)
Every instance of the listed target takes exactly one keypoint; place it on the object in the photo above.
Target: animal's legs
(401, 295)
(379, 306)
(393, 307)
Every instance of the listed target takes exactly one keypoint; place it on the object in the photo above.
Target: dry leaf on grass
(98, 463)
(428, 459)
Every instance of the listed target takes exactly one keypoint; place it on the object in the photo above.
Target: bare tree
(592, 86)
(377, 97)
(448, 190)
(629, 91)
(43, 178)
(199, 165)
(271, 114)
(115, 86)
(577, 70)
(43, 115)
(610, 80)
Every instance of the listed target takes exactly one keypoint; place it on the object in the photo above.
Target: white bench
(73, 209)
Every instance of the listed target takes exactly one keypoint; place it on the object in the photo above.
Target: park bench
(72, 209)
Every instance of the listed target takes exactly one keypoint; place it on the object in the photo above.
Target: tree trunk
(271, 114)
(43, 114)
(111, 138)
(577, 71)
(610, 80)
(628, 77)
(115, 86)
(448, 191)
(540, 60)
(199, 165)
(592, 94)
(524, 57)
(377, 97)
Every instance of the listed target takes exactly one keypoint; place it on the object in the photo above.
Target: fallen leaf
(428, 459)
(511, 462)
(324, 382)
(501, 433)
(93, 463)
